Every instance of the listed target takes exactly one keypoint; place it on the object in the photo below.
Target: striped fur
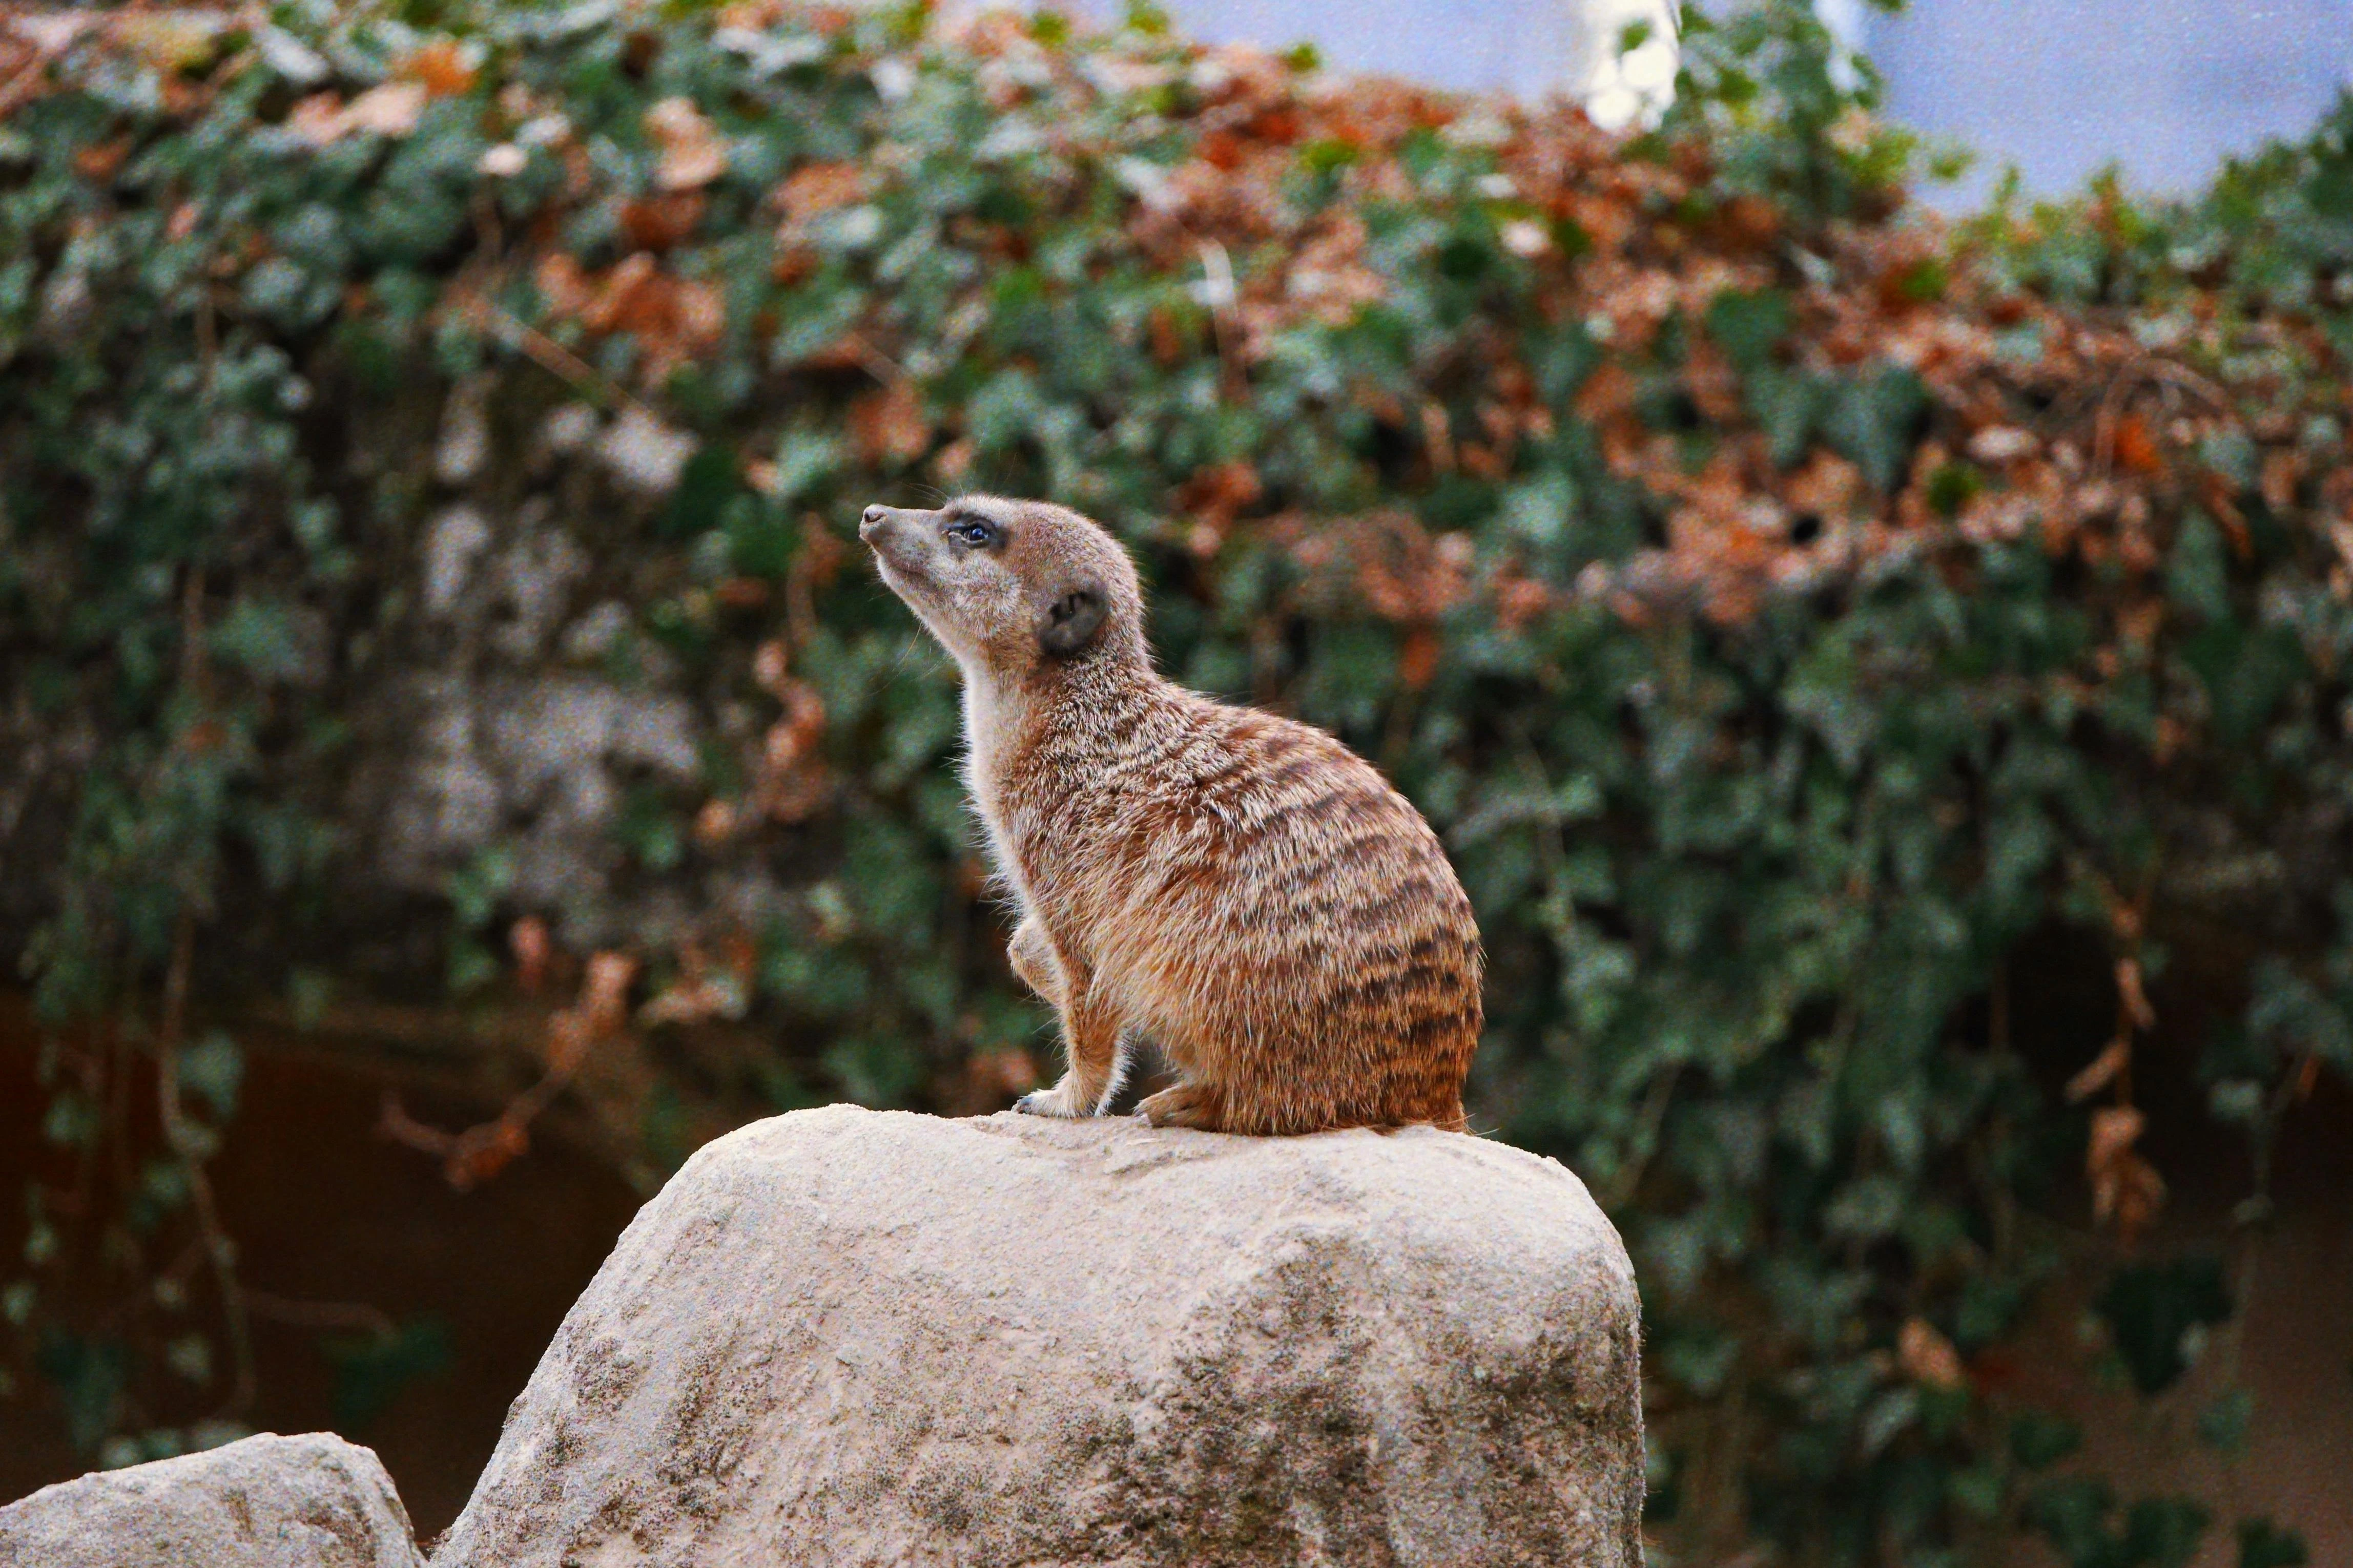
(1241, 888)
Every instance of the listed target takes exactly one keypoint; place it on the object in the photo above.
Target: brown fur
(1242, 888)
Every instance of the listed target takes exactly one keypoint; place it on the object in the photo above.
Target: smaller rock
(311, 1501)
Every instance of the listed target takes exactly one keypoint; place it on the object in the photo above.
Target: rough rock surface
(312, 1501)
(846, 1337)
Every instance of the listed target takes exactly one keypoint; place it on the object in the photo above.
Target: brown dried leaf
(527, 938)
(483, 1153)
(688, 1002)
(955, 461)
(1418, 659)
(605, 996)
(441, 67)
(2115, 1130)
(2100, 1072)
(568, 1038)
(564, 284)
(715, 823)
(1519, 600)
(602, 1008)
(1928, 1357)
(816, 188)
(2125, 1188)
(170, 41)
(2131, 1197)
(2129, 991)
(692, 154)
(627, 299)
(698, 313)
(2136, 449)
(53, 32)
(1213, 496)
(792, 781)
(704, 991)
(890, 426)
(658, 223)
(100, 159)
(771, 665)
(391, 109)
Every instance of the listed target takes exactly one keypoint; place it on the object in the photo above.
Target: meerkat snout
(1241, 888)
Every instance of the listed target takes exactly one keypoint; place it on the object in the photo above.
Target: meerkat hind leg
(1187, 1103)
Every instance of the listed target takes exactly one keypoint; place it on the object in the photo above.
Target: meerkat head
(1011, 587)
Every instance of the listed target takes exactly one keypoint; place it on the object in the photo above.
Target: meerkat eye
(973, 531)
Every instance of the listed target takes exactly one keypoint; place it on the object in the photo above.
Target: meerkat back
(1239, 887)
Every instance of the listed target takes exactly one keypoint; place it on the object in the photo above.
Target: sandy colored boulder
(312, 1501)
(846, 1337)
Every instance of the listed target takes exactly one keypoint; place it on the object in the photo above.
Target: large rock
(844, 1337)
(313, 1501)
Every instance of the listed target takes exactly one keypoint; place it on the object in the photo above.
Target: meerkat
(1238, 888)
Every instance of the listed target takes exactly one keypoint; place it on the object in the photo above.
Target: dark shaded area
(326, 1213)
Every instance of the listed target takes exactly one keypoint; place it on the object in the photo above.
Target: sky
(2061, 88)
(2163, 88)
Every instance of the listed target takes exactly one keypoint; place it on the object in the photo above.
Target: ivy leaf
(707, 481)
(2151, 1310)
(370, 1371)
(259, 635)
(1790, 406)
(2072, 1514)
(88, 1375)
(213, 1068)
(1873, 421)
(1889, 1415)
(2224, 1425)
(2164, 1532)
(1749, 327)
(2038, 1439)
(2263, 1544)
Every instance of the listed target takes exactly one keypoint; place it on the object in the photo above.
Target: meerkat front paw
(1056, 1102)
(1032, 955)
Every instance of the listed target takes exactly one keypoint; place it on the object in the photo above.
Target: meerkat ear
(1071, 621)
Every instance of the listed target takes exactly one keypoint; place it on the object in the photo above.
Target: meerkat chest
(983, 746)
(991, 744)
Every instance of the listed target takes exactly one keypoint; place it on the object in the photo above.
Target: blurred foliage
(1797, 619)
